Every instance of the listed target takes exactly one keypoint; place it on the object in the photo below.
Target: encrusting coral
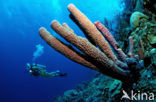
(103, 60)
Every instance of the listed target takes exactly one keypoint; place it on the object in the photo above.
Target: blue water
(19, 24)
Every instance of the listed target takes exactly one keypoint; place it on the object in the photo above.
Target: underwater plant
(96, 52)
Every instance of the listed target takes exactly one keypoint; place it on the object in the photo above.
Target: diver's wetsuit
(40, 70)
(44, 73)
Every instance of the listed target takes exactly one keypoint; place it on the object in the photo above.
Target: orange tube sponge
(108, 67)
(63, 49)
(130, 53)
(67, 27)
(111, 40)
(92, 31)
(103, 59)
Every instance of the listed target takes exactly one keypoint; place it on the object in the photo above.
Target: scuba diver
(40, 70)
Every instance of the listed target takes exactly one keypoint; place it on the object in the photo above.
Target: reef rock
(150, 6)
(100, 89)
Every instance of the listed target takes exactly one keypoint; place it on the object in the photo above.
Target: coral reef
(97, 53)
(105, 89)
(144, 38)
(100, 89)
